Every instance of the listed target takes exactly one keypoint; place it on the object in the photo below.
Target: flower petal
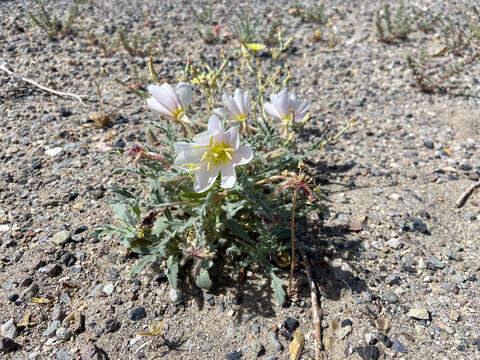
(269, 108)
(232, 107)
(165, 96)
(281, 103)
(155, 105)
(242, 155)
(189, 155)
(184, 92)
(215, 125)
(229, 176)
(232, 138)
(204, 178)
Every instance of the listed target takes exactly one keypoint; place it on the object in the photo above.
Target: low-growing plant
(47, 20)
(391, 27)
(106, 46)
(246, 28)
(138, 45)
(203, 15)
(314, 14)
(231, 188)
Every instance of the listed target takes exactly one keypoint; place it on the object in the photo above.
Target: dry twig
(464, 197)
(315, 307)
(44, 88)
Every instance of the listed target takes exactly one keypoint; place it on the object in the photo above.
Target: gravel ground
(396, 262)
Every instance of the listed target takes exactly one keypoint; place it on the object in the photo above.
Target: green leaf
(233, 208)
(277, 286)
(142, 263)
(203, 279)
(159, 226)
(122, 212)
(172, 273)
(237, 229)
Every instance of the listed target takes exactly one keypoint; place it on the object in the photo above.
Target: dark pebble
(13, 297)
(237, 300)
(346, 322)
(138, 314)
(478, 344)
(112, 274)
(72, 196)
(234, 355)
(36, 165)
(369, 352)
(461, 347)
(386, 341)
(420, 226)
(286, 334)
(398, 347)
(112, 325)
(222, 306)
(291, 324)
(8, 345)
(68, 259)
(209, 298)
(259, 350)
(465, 167)
(428, 143)
(27, 282)
(65, 112)
(120, 143)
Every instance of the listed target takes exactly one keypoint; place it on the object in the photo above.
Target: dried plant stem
(292, 231)
(464, 197)
(315, 307)
(44, 88)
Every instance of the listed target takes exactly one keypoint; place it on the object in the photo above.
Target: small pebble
(138, 313)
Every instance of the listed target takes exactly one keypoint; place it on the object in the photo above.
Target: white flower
(238, 105)
(213, 152)
(284, 105)
(169, 102)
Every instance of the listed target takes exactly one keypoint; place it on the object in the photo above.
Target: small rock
(346, 322)
(230, 332)
(420, 226)
(275, 341)
(53, 151)
(369, 352)
(454, 315)
(8, 345)
(13, 297)
(291, 324)
(108, 289)
(76, 269)
(234, 355)
(419, 313)
(391, 297)
(61, 237)
(272, 357)
(398, 347)
(259, 350)
(91, 352)
(138, 314)
(255, 329)
(58, 313)
(50, 331)
(65, 112)
(435, 262)
(343, 332)
(32, 291)
(63, 334)
(458, 278)
(51, 270)
(175, 295)
(395, 243)
(428, 143)
(112, 325)
(9, 329)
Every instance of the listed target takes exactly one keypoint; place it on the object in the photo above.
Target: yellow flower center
(241, 117)
(179, 112)
(216, 153)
